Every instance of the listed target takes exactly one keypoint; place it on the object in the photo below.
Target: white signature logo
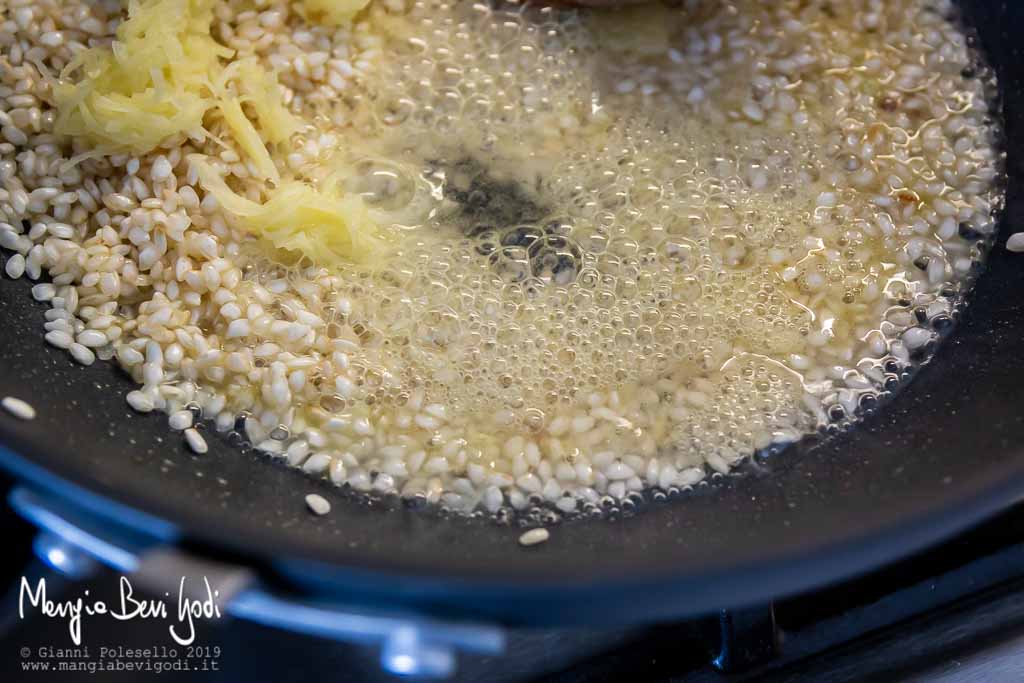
(129, 607)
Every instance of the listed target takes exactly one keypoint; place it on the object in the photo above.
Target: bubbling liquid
(635, 246)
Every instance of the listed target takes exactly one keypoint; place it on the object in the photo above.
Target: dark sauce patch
(484, 200)
(501, 214)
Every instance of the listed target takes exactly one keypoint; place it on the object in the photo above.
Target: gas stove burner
(895, 624)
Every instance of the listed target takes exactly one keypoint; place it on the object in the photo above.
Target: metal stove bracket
(748, 637)
(77, 543)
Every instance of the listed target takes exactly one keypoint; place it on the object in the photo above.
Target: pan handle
(76, 543)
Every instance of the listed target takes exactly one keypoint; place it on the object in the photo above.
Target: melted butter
(711, 232)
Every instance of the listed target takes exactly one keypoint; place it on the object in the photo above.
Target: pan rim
(735, 582)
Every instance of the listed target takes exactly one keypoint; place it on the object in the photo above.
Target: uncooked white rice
(318, 504)
(18, 408)
(534, 537)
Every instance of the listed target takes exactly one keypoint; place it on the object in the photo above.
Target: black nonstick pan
(943, 455)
